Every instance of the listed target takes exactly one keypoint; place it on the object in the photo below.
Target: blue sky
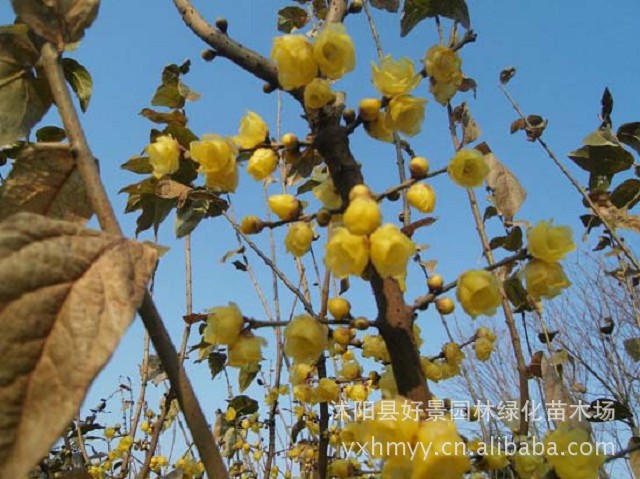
(565, 53)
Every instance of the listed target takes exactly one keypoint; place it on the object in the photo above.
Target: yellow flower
(350, 370)
(327, 390)
(334, 51)
(544, 280)
(431, 370)
(549, 243)
(390, 251)
(453, 354)
(251, 225)
(362, 216)
(230, 415)
(388, 424)
(529, 466)
(262, 163)
(572, 453)
(479, 292)
(299, 238)
(356, 392)
(375, 347)
(318, 93)
(293, 55)
(340, 468)
(394, 77)
(483, 348)
(444, 92)
(339, 307)
(486, 333)
(422, 197)
(305, 338)
(286, 207)
(346, 253)
(405, 113)
(125, 443)
(164, 156)
(246, 351)
(379, 128)
(109, 432)
(223, 325)
(443, 64)
(223, 181)
(252, 132)
(446, 459)
(303, 393)
(299, 372)
(326, 191)
(468, 168)
(217, 158)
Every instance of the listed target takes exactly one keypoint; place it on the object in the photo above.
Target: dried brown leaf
(67, 294)
(508, 193)
(556, 392)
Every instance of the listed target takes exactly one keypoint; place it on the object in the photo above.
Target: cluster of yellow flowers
(224, 326)
(484, 343)
(189, 466)
(300, 61)
(548, 244)
(364, 238)
(157, 463)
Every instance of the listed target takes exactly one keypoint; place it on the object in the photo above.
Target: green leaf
(138, 164)
(230, 254)
(154, 211)
(510, 242)
(320, 8)
(80, 80)
(216, 362)
(602, 154)
(169, 96)
(489, 213)
(629, 134)
(190, 216)
(627, 194)
(307, 186)
(632, 347)
(388, 5)
(244, 405)
(24, 98)
(246, 376)
(59, 22)
(290, 18)
(516, 292)
(417, 10)
(175, 116)
(52, 134)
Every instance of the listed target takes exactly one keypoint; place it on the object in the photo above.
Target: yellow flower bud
(251, 225)
(299, 238)
(445, 305)
(435, 283)
(379, 128)
(252, 132)
(443, 64)
(369, 108)
(342, 336)
(549, 243)
(246, 351)
(350, 370)
(286, 207)
(362, 216)
(479, 292)
(422, 197)
(262, 163)
(299, 373)
(223, 325)
(483, 348)
(419, 167)
(405, 113)
(358, 191)
(339, 308)
(305, 339)
(394, 77)
(164, 156)
(327, 391)
(109, 432)
(318, 93)
(293, 55)
(333, 51)
(230, 415)
(390, 251)
(445, 458)
(289, 141)
(468, 168)
(346, 253)
(544, 280)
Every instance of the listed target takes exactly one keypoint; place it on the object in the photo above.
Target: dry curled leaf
(45, 180)
(67, 294)
(508, 193)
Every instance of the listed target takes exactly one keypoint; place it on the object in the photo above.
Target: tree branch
(209, 453)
